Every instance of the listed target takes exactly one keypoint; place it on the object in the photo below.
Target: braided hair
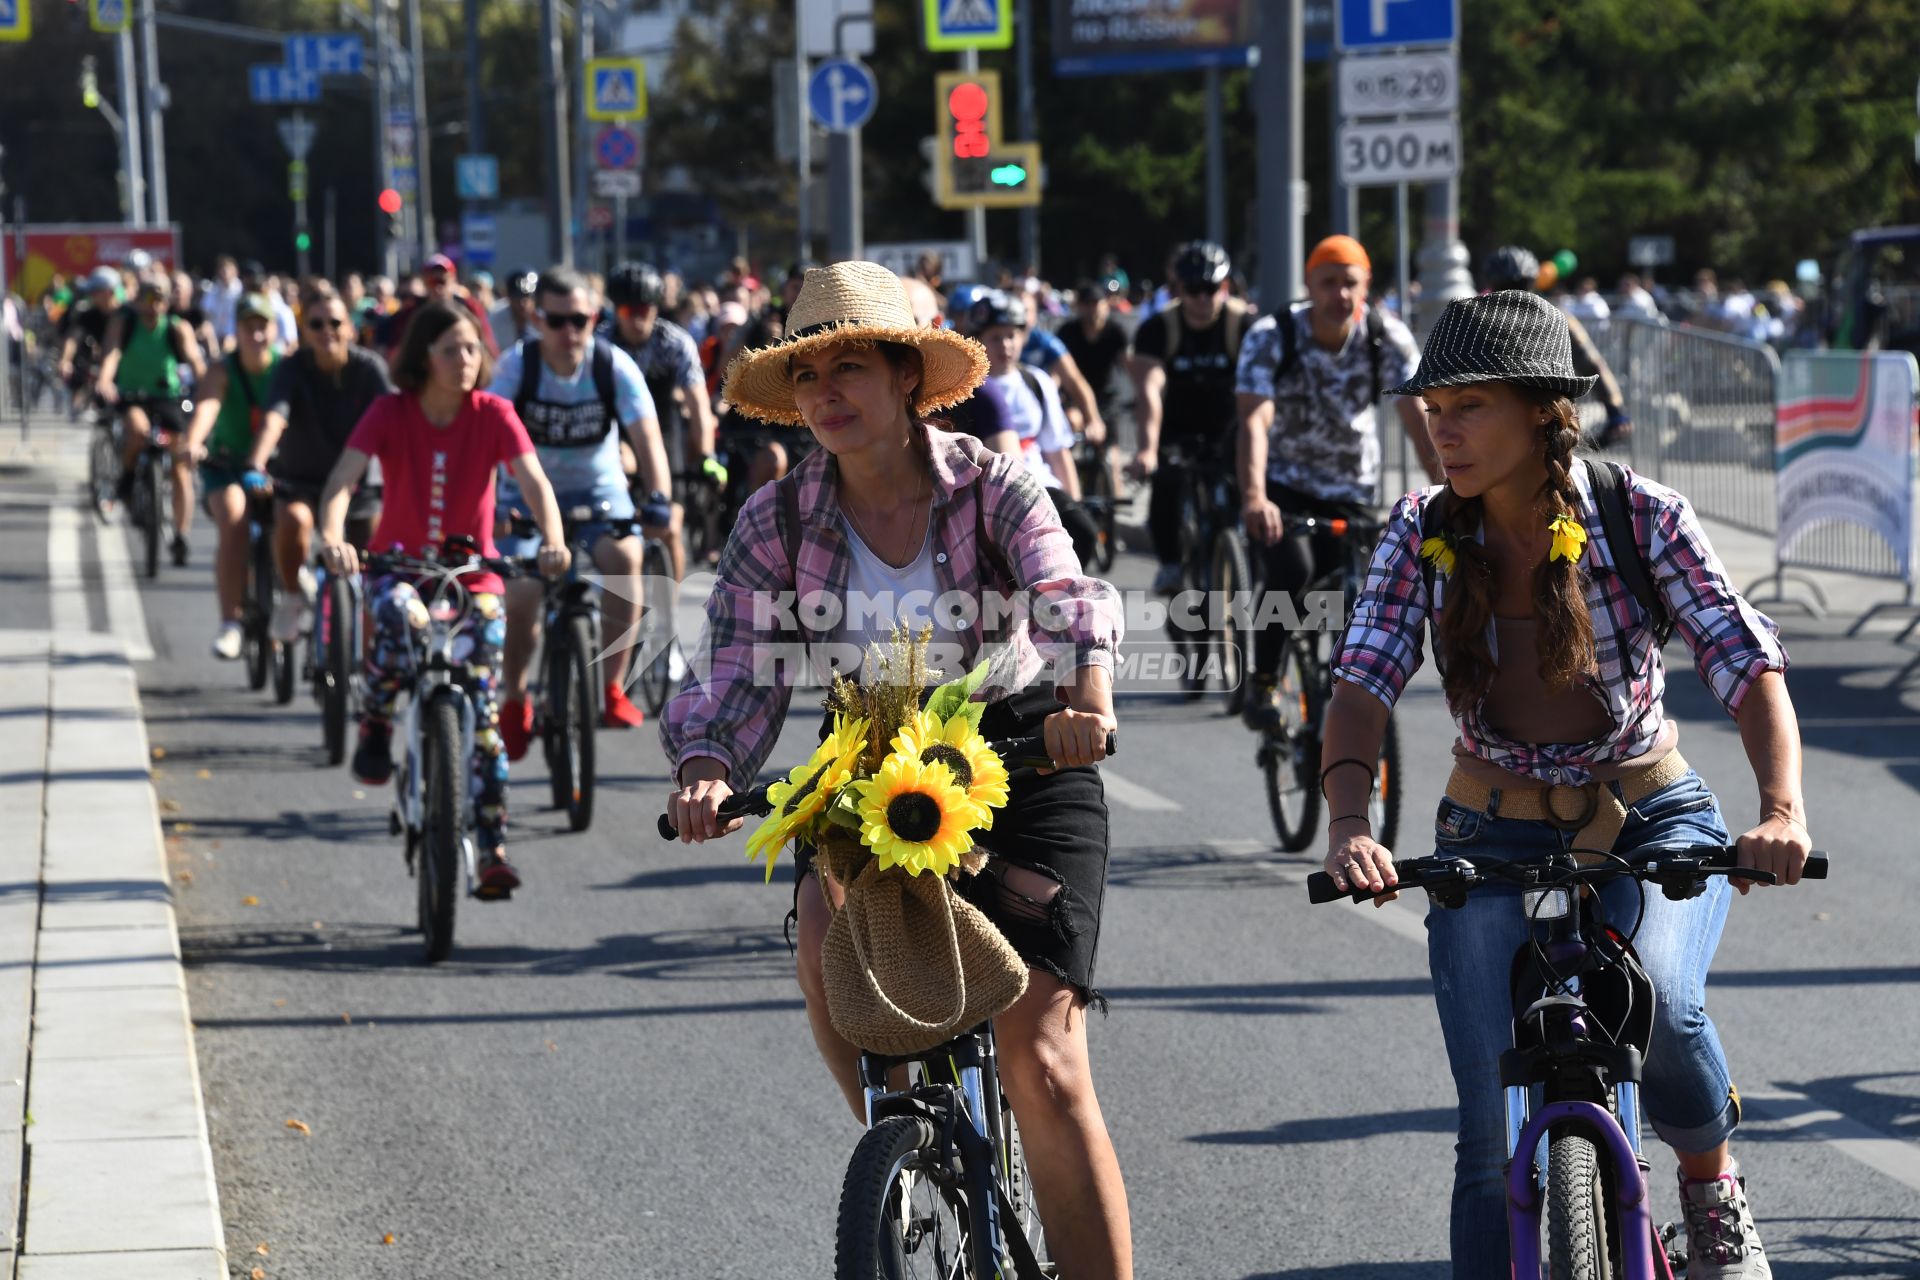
(1565, 636)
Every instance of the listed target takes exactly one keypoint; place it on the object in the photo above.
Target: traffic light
(89, 84)
(302, 241)
(390, 202)
(973, 167)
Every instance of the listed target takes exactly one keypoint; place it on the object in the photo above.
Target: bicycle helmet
(103, 278)
(994, 307)
(1510, 267)
(635, 284)
(521, 282)
(960, 300)
(1201, 264)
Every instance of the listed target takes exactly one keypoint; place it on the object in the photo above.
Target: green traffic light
(90, 99)
(303, 242)
(1008, 175)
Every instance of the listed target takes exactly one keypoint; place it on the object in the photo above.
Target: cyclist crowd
(549, 411)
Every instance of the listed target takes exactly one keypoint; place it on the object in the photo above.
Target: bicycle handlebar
(1016, 753)
(1667, 867)
(617, 526)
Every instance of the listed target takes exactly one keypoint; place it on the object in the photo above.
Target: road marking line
(66, 591)
(125, 617)
(1895, 1157)
(1135, 796)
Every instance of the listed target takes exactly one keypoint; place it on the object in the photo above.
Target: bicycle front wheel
(1231, 576)
(1290, 753)
(1101, 502)
(336, 672)
(146, 505)
(438, 868)
(1577, 1237)
(1383, 806)
(103, 469)
(655, 649)
(902, 1214)
(570, 725)
(257, 612)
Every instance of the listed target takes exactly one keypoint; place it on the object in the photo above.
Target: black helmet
(1510, 267)
(635, 284)
(521, 282)
(993, 307)
(1201, 264)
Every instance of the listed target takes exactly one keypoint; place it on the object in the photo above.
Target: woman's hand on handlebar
(553, 559)
(1780, 844)
(1356, 860)
(695, 808)
(1076, 738)
(340, 557)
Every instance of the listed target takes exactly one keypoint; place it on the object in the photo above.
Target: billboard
(35, 253)
(1104, 37)
(1843, 448)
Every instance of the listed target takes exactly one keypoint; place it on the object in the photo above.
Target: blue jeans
(1687, 1093)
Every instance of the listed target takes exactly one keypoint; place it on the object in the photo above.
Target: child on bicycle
(438, 440)
(890, 506)
(1554, 675)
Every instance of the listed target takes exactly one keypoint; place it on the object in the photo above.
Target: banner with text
(1844, 448)
(38, 252)
(1105, 37)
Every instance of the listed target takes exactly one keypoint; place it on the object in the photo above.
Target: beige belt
(1590, 810)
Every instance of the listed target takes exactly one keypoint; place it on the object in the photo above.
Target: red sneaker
(516, 726)
(498, 879)
(621, 713)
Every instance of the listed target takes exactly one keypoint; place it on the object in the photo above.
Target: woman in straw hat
(891, 507)
(1552, 668)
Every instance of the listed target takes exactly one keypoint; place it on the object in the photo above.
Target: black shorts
(365, 504)
(1055, 826)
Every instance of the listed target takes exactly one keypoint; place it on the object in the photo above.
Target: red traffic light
(390, 201)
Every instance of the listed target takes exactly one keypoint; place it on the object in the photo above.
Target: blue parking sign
(1384, 24)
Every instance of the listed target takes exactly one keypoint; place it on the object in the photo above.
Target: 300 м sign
(1376, 155)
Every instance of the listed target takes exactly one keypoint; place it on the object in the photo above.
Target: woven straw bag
(910, 964)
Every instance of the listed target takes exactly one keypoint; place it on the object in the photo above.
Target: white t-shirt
(878, 596)
(1040, 422)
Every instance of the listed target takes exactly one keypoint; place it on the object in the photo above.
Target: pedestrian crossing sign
(16, 19)
(617, 89)
(969, 24)
(108, 17)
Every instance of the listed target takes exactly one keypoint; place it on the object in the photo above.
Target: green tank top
(148, 365)
(241, 408)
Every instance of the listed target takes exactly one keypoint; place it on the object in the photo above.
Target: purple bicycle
(1582, 1018)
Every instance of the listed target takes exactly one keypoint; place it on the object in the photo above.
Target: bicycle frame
(434, 668)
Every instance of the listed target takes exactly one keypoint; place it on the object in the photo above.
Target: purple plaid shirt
(1732, 642)
(730, 709)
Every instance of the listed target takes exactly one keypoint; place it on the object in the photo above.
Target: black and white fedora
(1509, 336)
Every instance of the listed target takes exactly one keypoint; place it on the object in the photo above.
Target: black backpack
(1609, 483)
(1290, 347)
(531, 364)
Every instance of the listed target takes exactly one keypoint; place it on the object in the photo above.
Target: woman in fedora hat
(1552, 668)
(892, 507)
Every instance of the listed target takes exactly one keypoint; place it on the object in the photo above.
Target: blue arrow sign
(327, 54)
(842, 94)
(1380, 24)
(268, 83)
(477, 176)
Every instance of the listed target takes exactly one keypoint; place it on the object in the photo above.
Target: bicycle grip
(1816, 868)
(738, 805)
(1320, 888)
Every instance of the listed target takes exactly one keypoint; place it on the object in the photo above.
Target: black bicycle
(1209, 511)
(1289, 751)
(334, 653)
(939, 1185)
(105, 445)
(262, 587)
(1582, 1023)
(1099, 498)
(150, 500)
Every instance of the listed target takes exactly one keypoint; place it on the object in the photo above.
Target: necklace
(913, 522)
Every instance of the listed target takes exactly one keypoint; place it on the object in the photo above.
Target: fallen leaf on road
(169, 806)
(249, 901)
(1823, 915)
(184, 877)
(359, 794)
(213, 844)
(159, 753)
(306, 1130)
(261, 1249)
(183, 826)
(319, 924)
(258, 1273)
(279, 1004)
(203, 774)
(347, 1018)
(552, 1047)
(387, 1239)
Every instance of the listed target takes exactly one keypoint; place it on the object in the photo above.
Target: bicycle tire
(1018, 1180)
(1383, 806)
(570, 713)
(438, 867)
(1232, 573)
(871, 1240)
(103, 469)
(146, 486)
(336, 671)
(1577, 1235)
(1290, 756)
(257, 612)
(1102, 502)
(656, 626)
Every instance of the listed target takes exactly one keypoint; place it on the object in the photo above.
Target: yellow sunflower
(1569, 538)
(976, 768)
(805, 792)
(913, 816)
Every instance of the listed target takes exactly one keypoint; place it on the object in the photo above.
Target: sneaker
(309, 585)
(1166, 581)
(373, 758)
(1261, 712)
(516, 726)
(289, 618)
(1722, 1242)
(179, 549)
(620, 712)
(227, 645)
(498, 879)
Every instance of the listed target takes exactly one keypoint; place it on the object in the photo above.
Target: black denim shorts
(1053, 825)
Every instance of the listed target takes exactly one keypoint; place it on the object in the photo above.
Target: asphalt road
(613, 1076)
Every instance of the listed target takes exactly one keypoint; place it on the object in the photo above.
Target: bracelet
(1349, 818)
(1346, 760)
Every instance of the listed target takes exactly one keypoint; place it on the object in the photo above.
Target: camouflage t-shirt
(1325, 440)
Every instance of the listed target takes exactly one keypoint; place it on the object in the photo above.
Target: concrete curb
(108, 1151)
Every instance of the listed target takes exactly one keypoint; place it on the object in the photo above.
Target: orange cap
(1344, 250)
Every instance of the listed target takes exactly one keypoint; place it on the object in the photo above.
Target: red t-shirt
(439, 480)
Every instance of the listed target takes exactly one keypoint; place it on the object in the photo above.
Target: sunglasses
(320, 324)
(575, 321)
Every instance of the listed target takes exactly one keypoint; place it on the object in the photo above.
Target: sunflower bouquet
(905, 785)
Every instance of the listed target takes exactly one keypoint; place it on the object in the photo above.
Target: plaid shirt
(1732, 642)
(731, 711)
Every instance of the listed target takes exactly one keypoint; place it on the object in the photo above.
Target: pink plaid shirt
(729, 709)
(1732, 642)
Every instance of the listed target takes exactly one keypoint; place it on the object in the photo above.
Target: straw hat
(852, 302)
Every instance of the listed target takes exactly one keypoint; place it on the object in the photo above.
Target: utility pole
(803, 137)
(1281, 193)
(977, 215)
(385, 249)
(132, 160)
(422, 153)
(156, 102)
(1444, 271)
(584, 15)
(553, 112)
(1023, 103)
(1216, 159)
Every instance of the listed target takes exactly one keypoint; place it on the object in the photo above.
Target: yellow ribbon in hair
(1569, 538)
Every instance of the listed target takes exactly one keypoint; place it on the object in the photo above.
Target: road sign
(616, 147)
(108, 17)
(1397, 84)
(618, 89)
(296, 135)
(1381, 155)
(841, 94)
(477, 177)
(296, 179)
(1650, 251)
(599, 218)
(268, 83)
(330, 53)
(837, 28)
(969, 24)
(610, 183)
(1382, 24)
(478, 237)
(16, 19)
